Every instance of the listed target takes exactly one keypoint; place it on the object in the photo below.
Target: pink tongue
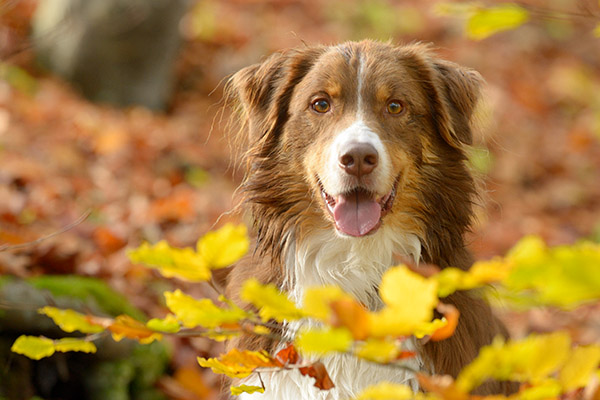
(356, 214)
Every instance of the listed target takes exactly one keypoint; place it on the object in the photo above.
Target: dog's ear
(263, 91)
(459, 89)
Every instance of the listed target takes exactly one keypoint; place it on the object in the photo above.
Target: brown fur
(435, 192)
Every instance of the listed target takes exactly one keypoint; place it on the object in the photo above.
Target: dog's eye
(321, 105)
(395, 107)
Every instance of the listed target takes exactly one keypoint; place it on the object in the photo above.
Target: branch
(73, 224)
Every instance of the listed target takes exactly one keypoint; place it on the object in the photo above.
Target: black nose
(359, 159)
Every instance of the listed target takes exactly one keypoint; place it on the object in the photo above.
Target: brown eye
(395, 107)
(321, 105)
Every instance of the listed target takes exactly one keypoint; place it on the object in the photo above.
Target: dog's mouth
(358, 212)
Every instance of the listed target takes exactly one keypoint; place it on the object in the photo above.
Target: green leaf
(169, 324)
(72, 344)
(237, 390)
(171, 262)
(225, 246)
(33, 347)
(485, 22)
(70, 321)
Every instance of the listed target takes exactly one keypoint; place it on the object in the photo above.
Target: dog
(356, 154)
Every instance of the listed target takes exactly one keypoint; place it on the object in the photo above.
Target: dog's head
(356, 136)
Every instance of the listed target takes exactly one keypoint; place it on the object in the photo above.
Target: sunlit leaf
(70, 321)
(451, 315)
(236, 363)
(74, 344)
(323, 340)
(204, 312)
(410, 300)
(172, 262)
(237, 390)
(544, 390)
(169, 324)
(481, 273)
(484, 22)
(529, 360)
(225, 246)
(33, 347)
(386, 391)
(352, 315)
(579, 367)
(126, 327)
(271, 303)
(378, 350)
(317, 301)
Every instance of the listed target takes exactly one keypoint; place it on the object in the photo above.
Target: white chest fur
(357, 267)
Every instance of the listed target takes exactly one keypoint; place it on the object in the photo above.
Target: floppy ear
(459, 89)
(263, 92)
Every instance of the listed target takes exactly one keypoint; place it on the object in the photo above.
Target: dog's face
(361, 134)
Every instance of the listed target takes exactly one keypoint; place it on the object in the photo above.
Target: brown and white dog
(356, 154)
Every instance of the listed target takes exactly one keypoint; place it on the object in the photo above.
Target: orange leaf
(451, 314)
(406, 355)
(287, 355)
(125, 326)
(318, 371)
(352, 315)
(107, 241)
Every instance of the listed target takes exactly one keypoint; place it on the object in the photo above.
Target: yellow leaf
(236, 363)
(378, 350)
(485, 22)
(532, 360)
(271, 303)
(428, 328)
(579, 367)
(171, 262)
(225, 246)
(387, 391)
(237, 390)
(70, 321)
(324, 340)
(169, 324)
(402, 288)
(317, 301)
(72, 344)
(410, 300)
(204, 312)
(544, 390)
(597, 31)
(33, 347)
(528, 250)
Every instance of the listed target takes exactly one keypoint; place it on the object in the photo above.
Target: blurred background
(114, 108)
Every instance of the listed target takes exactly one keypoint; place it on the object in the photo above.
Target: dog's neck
(355, 265)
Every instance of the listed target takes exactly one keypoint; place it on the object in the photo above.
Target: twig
(73, 224)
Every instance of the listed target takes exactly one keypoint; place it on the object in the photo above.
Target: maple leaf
(70, 321)
(271, 303)
(223, 247)
(318, 371)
